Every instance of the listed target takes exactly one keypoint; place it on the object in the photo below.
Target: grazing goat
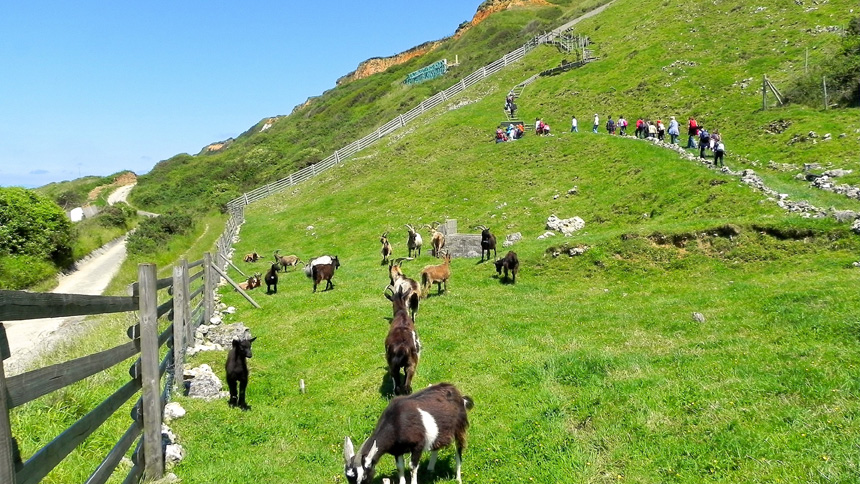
(324, 272)
(272, 279)
(323, 259)
(399, 282)
(386, 247)
(438, 274)
(509, 262)
(251, 283)
(402, 347)
(286, 260)
(237, 371)
(252, 257)
(488, 242)
(437, 239)
(431, 419)
(414, 242)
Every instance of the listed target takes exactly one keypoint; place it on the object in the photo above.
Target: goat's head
(499, 264)
(243, 346)
(358, 468)
(384, 238)
(335, 262)
(485, 232)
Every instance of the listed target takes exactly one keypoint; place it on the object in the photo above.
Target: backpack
(703, 134)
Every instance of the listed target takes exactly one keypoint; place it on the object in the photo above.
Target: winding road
(30, 339)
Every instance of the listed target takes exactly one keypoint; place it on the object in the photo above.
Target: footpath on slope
(33, 338)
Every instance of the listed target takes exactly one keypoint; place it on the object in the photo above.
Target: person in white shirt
(573, 125)
(596, 123)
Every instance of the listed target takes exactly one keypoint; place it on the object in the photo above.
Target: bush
(117, 215)
(156, 232)
(34, 225)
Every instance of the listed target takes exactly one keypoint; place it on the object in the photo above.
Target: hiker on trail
(719, 152)
(610, 126)
(500, 135)
(661, 131)
(674, 130)
(692, 132)
(622, 126)
(652, 129)
(512, 132)
(639, 124)
(716, 137)
(704, 141)
(573, 125)
(596, 123)
(521, 130)
(512, 108)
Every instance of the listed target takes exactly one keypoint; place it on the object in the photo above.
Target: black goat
(488, 242)
(237, 371)
(509, 262)
(402, 347)
(324, 272)
(431, 419)
(272, 279)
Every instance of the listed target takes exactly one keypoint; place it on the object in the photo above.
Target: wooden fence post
(7, 460)
(209, 291)
(151, 378)
(181, 319)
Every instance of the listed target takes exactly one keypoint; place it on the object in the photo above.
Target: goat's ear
(236, 343)
(348, 450)
(370, 455)
(253, 339)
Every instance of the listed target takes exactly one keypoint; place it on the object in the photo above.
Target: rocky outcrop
(380, 64)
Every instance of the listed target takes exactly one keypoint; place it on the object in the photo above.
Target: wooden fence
(154, 378)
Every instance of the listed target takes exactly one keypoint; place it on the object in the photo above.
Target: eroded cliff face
(380, 64)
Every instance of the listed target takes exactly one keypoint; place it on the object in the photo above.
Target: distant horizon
(97, 89)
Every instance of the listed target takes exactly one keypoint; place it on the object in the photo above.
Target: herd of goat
(413, 423)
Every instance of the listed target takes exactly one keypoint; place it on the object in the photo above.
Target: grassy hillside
(589, 369)
(335, 118)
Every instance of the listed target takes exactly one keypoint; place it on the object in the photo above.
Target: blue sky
(92, 88)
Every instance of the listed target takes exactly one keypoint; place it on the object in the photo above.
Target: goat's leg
(416, 459)
(459, 462)
(400, 469)
(233, 393)
(410, 372)
(243, 384)
(432, 464)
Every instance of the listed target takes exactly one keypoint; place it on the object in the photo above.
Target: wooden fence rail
(152, 377)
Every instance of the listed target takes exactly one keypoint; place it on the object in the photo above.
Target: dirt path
(30, 339)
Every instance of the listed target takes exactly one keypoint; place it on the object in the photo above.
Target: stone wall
(460, 245)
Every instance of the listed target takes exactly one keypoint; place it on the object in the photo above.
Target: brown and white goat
(324, 272)
(252, 257)
(438, 274)
(386, 247)
(402, 347)
(428, 420)
(509, 262)
(252, 282)
(286, 260)
(488, 242)
(399, 282)
(414, 241)
(437, 239)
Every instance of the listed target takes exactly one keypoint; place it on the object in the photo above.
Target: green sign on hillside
(434, 70)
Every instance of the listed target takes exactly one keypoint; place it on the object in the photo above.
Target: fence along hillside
(153, 378)
(339, 156)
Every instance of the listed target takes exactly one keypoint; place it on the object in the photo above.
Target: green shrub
(118, 215)
(34, 225)
(154, 233)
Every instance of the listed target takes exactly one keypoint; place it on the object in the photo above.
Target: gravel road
(30, 339)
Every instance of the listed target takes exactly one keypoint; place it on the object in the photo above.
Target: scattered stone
(229, 310)
(856, 227)
(215, 320)
(173, 411)
(555, 197)
(781, 166)
(473, 253)
(170, 478)
(173, 454)
(203, 383)
(826, 137)
(512, 239)
(777, 127)
(573, 191)
(812, 135)
(546, 235)
(698, 317)
(167, 435)
(225, 334)
(578, 250)
(193, 350)
(309, 227)
(837, 172)
(843, 135)
(844, 216)
(565, 226)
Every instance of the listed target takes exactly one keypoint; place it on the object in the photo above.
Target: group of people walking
(645, 128)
